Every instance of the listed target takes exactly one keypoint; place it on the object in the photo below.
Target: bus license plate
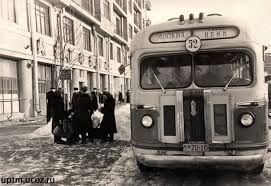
(195, 147)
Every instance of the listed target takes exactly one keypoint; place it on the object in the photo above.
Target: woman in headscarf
(108, 124)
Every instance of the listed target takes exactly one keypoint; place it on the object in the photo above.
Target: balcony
(148, 5)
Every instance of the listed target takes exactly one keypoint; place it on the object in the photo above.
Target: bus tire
(143, 168)
(257, 170)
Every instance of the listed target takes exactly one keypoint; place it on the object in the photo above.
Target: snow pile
(44, 131)
(123, 121)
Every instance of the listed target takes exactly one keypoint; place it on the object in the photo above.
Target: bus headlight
(247, 119)
(147, 121)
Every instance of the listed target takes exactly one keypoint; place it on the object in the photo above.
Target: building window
(68, 30)
(111, 51)
(118, 55)
(88, 5)
(86, 39)
(130, 6)
(130, 32)
(125, 58)
(100, 46)
(44, 78)
(118, 26)
(106, 9)
(42, 18)
(7, 10)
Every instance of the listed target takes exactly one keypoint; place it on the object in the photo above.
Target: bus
(198, 95)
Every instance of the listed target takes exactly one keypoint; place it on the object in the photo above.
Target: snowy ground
(35, 155)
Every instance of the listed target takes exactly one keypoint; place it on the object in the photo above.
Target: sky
(256, 10)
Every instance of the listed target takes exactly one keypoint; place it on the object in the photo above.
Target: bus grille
(193, 108)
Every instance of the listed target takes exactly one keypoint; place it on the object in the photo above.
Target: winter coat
(83, 112)
(58, 110)
(94, 100)
(74, 98)
(108, 124)
(128, 97)
(50, 96)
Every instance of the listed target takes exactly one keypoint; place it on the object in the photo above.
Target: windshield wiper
(159, 82)
(225, 88)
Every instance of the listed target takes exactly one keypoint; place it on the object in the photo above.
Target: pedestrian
(120, 97)
(83, 112)
(73, 107)
(74, 96)
(100, 96)
(50, 95)
(94, 99)
(58, 114)
(108, 124)
(128, 96)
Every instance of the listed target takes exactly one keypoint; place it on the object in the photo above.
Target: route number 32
(193, 44)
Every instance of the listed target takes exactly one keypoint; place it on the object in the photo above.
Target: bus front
(198, 96)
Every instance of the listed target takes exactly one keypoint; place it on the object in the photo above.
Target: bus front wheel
(256, 171)
(143, 168)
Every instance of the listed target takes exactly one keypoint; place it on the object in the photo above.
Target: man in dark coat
(58, 114)
(83, 112)
(74, 96)
(50, 102)
(120, 97)
(128, 96)
(108, 124)
(94, 99)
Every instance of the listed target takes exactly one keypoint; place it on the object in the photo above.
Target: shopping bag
(67, 128)
(58, 131)
(96, 118)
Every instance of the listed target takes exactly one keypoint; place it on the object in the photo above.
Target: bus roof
(248, 32)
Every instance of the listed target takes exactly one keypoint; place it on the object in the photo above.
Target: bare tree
(64, 52)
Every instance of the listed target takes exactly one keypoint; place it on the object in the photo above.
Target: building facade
(64, 43)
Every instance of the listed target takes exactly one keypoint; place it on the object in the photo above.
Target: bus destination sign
(170, 36)
(202, 33)
(216, 33)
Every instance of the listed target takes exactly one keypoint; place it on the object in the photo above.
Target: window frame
(246, 52)
(100, 46)
(118, 54)
(165, 55)
(87, 39)
(111, 51)
(106, 8)
(68, 32)
(42, 27)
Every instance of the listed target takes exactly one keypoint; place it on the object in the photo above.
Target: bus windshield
(217, 69)
(171, 71)
(211, 69)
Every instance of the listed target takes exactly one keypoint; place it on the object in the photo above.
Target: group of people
(121, 99)
(82, 107)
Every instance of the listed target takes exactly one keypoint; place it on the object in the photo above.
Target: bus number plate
(192, 147)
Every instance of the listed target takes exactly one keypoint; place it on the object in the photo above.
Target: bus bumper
(245, 163)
